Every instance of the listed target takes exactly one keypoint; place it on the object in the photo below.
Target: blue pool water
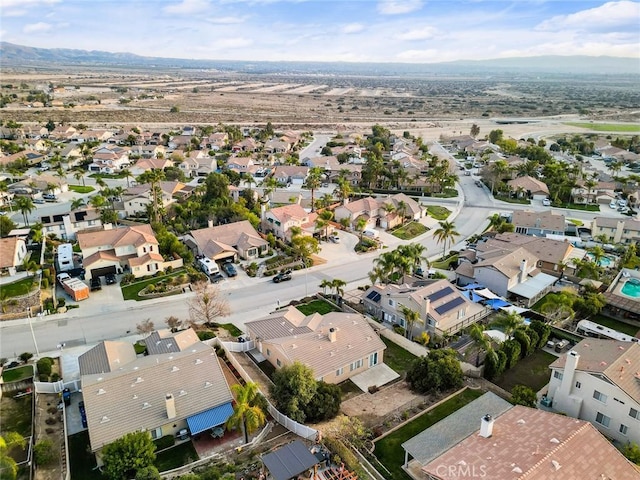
(604, 261)
(631, 288)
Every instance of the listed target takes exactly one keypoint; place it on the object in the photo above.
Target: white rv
(208, 266)
(65, 257)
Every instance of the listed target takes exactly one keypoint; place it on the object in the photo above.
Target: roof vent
(174, 369)
(516, 469)
(198, 361)
(182, 393)
(554, 440)
(101, 391)
(293, 345)
(139, 380)
(104, 419)
(100, 379)
(556, 465)
(135, 397)
(136, 368)
(521, 422)
(146, 405)
(207, 384)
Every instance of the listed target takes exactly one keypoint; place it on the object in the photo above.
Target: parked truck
(77, 289)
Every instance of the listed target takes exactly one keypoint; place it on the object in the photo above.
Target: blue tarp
(472, 296)
(209, 418)
(497, 303)
(472, 286)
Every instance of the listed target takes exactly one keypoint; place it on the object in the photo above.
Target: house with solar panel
(443, 309)
(177, 389)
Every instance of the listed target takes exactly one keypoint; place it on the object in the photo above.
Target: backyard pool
(631, 288)
(603, 262)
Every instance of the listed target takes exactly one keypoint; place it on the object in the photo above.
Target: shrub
(44, 453)
(43, 378)
(206, 335)
(54, 377)
(26, 356)
(44, 366)
(340, 450)
(164, 442)
(61, 302)
(50, 421)
(44, 284)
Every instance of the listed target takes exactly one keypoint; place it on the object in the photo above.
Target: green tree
(6, 225)
(77, 203)
(475, 130)
(246, 413)
(293, 388)
(8, 466)
(126, 173)
(542, 329)
(44, 452)
(153, 178)
(523, 395)
(512, 350)
(445, 234)
(436, 372)
(313, 182)
(508, 322)
(632, 452)
(130, 453)
(149, 473)
(26, 206)
(411, 317)
(325, 404)
(495, 136)
(338, 286)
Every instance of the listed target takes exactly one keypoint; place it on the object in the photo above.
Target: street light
(33, 335)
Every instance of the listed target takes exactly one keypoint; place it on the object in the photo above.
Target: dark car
(282, 276)
(96, 284)
(111, 279)
(230, 269)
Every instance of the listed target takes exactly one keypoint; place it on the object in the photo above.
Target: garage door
(101, 272)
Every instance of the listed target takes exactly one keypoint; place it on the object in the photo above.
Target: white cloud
(397, 7)
(14, 13)
(419, 34)
(233, 43)
(25, 3)
(428, 55)
(352, 28)
(226, 20)
(611, 14)
(186, 7)
(40, 27)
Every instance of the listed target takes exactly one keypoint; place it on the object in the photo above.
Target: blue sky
(414, 31)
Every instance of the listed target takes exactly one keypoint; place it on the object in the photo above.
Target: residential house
(35, 144)
(292, 174)
(367, 208)
(179, 142)
(508, 273)
(94, 136)
(538, 223)
(62, 133)
(351, 172)
(147, 151)
(412, 210)
(13, 251)
(246, 145)
(137, 198)
(30, 157)
(336, 346)
(114, 250)
(241, 165)
(602, 194)
(71, 154)
(529, 187)
(441, 306)
(227, 241)
(148, 164)
(488, 438)
(280, 220)
(67, 225)
(180, 387)
(274, 146)
(616, 230)
(598, 381)
(198, 164)
(42, 183)
(109, 159)
(216, 141)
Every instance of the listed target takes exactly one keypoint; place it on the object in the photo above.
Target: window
(278, 362)
(634, 413)
(339, 372)
(623, 429)
(557, 374)
(148, 268)
(156, 433)
(578, 384)
(373, 359)
(356, 365)
(602, 419)
(601, 397)
(268, 352)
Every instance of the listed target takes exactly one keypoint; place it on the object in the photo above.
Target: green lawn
(106, 175)
(16, 415)
(447, 193)
(607, 127)
(578, 206)
(349, 389)
(131, 291)
(389, 449)
(232, 329)
(317, 306)
(615, 325)
(532, 371)
(18, 373)
(81, 188)
(508, 199)
(409, 231)
(397, 357)
(445, 264)
(21, 287)
(437, 212)
(176, 457)
(81, 460)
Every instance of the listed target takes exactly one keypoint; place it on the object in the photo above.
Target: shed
(289, 461)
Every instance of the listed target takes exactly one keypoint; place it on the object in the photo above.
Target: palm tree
(101, 183)
(79, 175)
(401, 208)
(411, 317)
(324, 284)
(61, 174)
(8, 465)
(126, 173)
(246, 413)
(338, 285)
(597, 254)
(378, 274)
(590, 184)
(26, 206)
(77, 203)
(313, 182)
(342, 190)
(360, 225)
(153, 178)
(509, 322)
(445, 234)
(325, 217)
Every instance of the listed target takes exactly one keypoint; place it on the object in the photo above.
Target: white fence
(56, 387)
(238, 346)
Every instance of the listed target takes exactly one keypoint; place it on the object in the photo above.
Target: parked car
(282, 276)
(613, 204)
(38, 201)
(334, 238)
(49, 197)
(546, 202)
(96, 284)
(111, 279)
(230, 269)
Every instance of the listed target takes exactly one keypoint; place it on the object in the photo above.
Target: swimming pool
(603, 262)
(631, 288)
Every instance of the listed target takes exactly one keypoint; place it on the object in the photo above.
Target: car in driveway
(334, 238)
(546, 202)
(96, 284)
(111, 279)
(230, 269)
(282, 276)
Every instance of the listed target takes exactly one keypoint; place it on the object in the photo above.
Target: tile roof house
(133, 249)
(293, 174)
(41, 183)
(617, 231)
(620, 303)
(280, 220)
(525, 443)
(198, 164)
(227, 241)
(276, 146)
(530, 187)
(67, 225)
(13, 251)
(336, 346)
(147, 164)
(538, 223)
(441, 306)
(109, 159)
(137, 198)
(367, 208)
(599, 381)
(162, 393)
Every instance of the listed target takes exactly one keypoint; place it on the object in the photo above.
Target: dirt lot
(49, 426)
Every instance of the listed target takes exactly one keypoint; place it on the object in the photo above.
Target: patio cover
(533, 286)
(486, 293)
(289, 461)
(497, 303)
(514, 309)
(471, 295)
(209, 418)
(472, 286)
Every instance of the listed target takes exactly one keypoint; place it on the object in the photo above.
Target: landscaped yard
(616, 325)
(445, 264)
(175, 457)
(18, 373)
(131, 291)
(532, 371)
(607, 127)
(397, 357)
(81, 188)
(21, 287)
(438, 212)
(231, 328)
(409, 231)
(389, 449)
(317, 306)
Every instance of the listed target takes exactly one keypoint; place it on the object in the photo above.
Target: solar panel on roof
(374, 296)
(442, 309)
(439, 294)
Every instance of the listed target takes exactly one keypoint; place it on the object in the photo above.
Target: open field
(607, 127)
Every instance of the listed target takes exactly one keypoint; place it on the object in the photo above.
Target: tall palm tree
(411, 317)
(401, 208)
(101, 183)
(126, 173)
(342, 190)
(61, 174)
(153, 178)
(324, 284)
(597, 254)
(8, 465)
(445, 234)
(246, 413)
(77, 203)
(313, 182)
(338, 285)
(509, 322)
(26, 206)
(79, 175)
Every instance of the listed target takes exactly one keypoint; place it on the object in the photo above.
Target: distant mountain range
(12, 54)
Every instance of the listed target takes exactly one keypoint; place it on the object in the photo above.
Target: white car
(546, 202)
(613, 204)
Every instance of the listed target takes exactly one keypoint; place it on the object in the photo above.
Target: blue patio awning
(497, 303)
(472, 286)
(209, 418)
(472, 296)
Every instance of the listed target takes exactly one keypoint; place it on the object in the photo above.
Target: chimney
(523, 271)
(210, 223)
(570, 366)
(345, 201)
(171, 406)
(332, 334)
(486, 426)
